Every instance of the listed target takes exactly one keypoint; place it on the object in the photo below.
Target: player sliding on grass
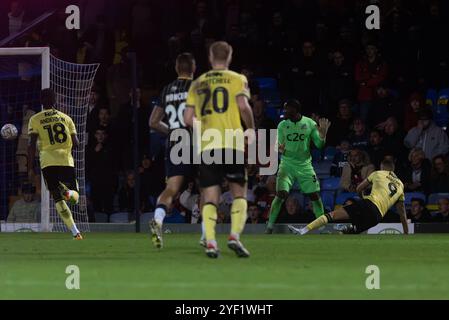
(386, 191)
(55, 134)
(219, 100)
(294, 135)
(173, 103)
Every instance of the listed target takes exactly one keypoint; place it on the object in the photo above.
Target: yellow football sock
(209, 214)
(238, 216)
(320, 221)
(65, 214)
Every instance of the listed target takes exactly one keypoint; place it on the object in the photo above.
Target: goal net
(24, 72)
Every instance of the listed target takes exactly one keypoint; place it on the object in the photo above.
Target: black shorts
(55, 174)
(364, 214)
(185, 170)
(214, 174)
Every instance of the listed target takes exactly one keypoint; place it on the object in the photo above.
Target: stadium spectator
(264, 195)
(414, 104)
(418, 211)
(17, 17)
(340, 159)
(359, 137)
(417, 175)
(146, 181)
(118, 83)
(92, 112)
(26, 209)
(385, 105)
(442, 215)
(427, 136)
(439, 179)
(393, 139)
(369, 73)
(357, 170)
(126, 195)
(376, 150)
(99, 43)
(253, 214)
(101, 172)
(340, 78)
(340, 128)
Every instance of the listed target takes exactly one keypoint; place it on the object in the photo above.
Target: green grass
(126, 266)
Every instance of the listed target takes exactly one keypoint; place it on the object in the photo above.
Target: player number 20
(56, 133)
(220, 100)
(175, 118)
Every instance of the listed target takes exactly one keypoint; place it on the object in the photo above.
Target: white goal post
(72, 84)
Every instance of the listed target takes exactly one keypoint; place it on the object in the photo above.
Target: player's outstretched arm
(323, 127)
(403, 215)
(157, 115)
(319, 133)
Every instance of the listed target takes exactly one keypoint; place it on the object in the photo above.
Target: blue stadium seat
(342, 197)
(328, 200)
(434, 197)
(322, 167)
(267, 83)
(332, 183)
(316, 155)
(410, 195)
(101, 217)
(440, 110)
(431, 97)
(329, 153)
(119, 217)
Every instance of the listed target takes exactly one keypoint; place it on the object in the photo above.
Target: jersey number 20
(175, 118)
(56, 133)
(218, 106)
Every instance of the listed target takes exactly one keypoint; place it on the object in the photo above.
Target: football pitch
(126, 266)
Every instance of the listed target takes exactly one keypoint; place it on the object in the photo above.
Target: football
(9, 132)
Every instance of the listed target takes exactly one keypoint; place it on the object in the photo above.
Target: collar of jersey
(185, 78)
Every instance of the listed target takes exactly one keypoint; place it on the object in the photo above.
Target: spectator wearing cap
(341, 126)
(25, 210)
(443, 211)
(418, 211)
(427, 136)
(369, 73)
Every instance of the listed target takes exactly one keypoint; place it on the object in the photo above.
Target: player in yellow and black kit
(386, 190)
(218, 100)
(54, 133)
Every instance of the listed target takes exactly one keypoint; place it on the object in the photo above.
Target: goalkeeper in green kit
(294, 137)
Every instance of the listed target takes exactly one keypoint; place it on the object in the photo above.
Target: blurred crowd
(385, 91)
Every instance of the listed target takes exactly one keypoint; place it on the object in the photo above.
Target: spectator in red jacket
(369, 73)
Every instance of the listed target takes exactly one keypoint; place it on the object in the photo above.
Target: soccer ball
(9, 132)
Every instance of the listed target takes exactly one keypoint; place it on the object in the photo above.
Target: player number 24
(56, 133)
